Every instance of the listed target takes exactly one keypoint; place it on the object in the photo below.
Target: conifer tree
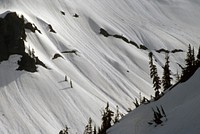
(88, 127)
(106, 119)
(177, 76)
(197, 63)
(117, 116)
(166, 79)
(95, 130)
(198, 55)
(190, 59)
(154, 74)
(190, 63)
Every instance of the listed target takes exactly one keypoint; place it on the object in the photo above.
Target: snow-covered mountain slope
(104, 69)
(181, 107)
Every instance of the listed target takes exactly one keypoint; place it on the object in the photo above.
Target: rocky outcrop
(12, 36)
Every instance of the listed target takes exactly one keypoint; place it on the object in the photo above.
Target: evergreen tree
(88, 128)
(198, 55)
(166, 79)
(95, 130)
(106, 119)
(136, 103)
(190, 59)
(154, 74)
(197, 63)
(177, 76)
(64, 131)
(190, 64)
(117, 116)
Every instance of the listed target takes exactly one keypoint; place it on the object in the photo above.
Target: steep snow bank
(103, 70)
(180, 105)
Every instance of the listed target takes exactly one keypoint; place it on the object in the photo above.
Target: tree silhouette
(106, 120)
(154, 76)
(166, 79)
(88, 127)
(190, 64)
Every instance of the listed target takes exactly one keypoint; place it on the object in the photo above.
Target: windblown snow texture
(102, 70)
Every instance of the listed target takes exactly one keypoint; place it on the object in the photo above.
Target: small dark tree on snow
(166, 79)
(71, 84)
(189, 61)
(136, 103)
(191, 65)
(154, 76)
(198, 58)
(66, 78)
(198, 55)
(118, 115)
(95, 130)
(64, 131)
(177, 76)
(88, 127)
(106, 120)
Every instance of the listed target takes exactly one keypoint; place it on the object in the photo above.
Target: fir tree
(136, 103)
(190, 64)
(64, 131)
(166, 79)
(117, 116)
(197, 63)
(154, 74)
(88, 128)
(71, 84)
(95, 130)
(177, 76)
(106, 119)
(198, 55)
(190, 59)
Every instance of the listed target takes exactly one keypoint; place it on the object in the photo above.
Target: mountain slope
(103, 70)
(180, 105)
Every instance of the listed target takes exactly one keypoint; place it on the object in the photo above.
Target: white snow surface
(181, 106)
(104, 69)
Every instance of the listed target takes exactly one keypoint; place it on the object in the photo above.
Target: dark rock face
(32, 27)
(12, 36)
(27, 63)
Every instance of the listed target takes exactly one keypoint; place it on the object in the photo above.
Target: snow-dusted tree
(64, 131)
(106, 119)
(166, 79)
(117, 116)
(88, 127)
(177, 76)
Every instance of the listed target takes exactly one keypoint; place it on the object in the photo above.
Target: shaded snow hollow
(103, 69)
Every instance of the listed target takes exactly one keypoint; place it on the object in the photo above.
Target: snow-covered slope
(104, 69)
(181, 107)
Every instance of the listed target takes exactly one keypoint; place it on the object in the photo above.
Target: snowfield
(181, 108)
(103, 69)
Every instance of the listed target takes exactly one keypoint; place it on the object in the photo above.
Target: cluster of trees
(191, 66)
(108, 119)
